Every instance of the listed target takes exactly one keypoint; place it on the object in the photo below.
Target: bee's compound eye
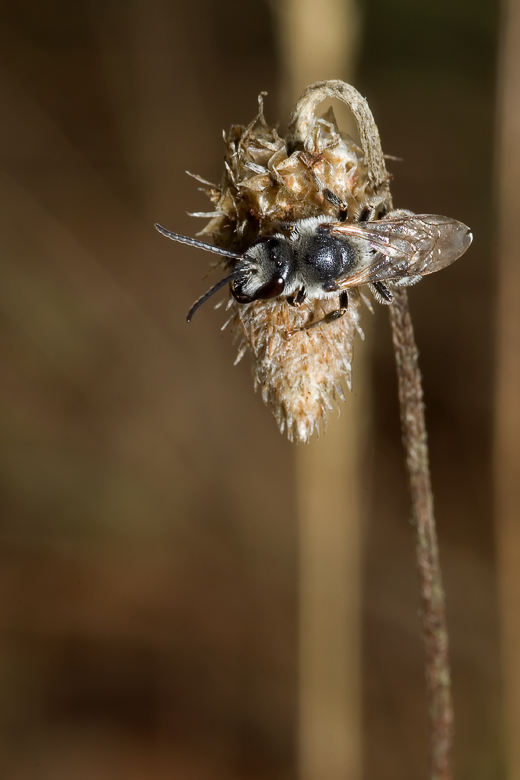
(272, 289)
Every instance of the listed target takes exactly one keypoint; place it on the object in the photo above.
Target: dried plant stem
(304, 115)
(430, 579)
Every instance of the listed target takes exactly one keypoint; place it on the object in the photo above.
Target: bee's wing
(403, 247)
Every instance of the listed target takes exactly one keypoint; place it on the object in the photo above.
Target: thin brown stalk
(430, 580)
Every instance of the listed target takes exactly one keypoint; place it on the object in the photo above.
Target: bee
(316, 258)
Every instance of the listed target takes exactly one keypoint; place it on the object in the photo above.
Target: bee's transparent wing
(404, 247)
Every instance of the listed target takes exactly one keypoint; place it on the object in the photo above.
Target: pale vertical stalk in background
(507, 408)
(329, 628)
(318, 41)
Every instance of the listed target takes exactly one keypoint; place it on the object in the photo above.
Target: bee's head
(267, 264)
(259, 274)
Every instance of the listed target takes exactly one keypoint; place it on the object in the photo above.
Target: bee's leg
(365, 213)
(328, 194)
(383, 291)
(370, 212)
(298, 299)
(336, 201)
(332, 316)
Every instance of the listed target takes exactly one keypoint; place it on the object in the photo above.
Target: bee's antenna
(199, 244)
(229, 278)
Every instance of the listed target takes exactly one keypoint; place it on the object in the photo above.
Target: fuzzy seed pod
(268, 181)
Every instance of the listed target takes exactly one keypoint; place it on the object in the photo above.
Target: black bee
(317, 258)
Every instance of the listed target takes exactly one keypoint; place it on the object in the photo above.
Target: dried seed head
(269, 181)
(299, 224)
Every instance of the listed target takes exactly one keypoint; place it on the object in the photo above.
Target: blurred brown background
(148, 537)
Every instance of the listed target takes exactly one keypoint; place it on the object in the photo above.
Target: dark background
(148, 539)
